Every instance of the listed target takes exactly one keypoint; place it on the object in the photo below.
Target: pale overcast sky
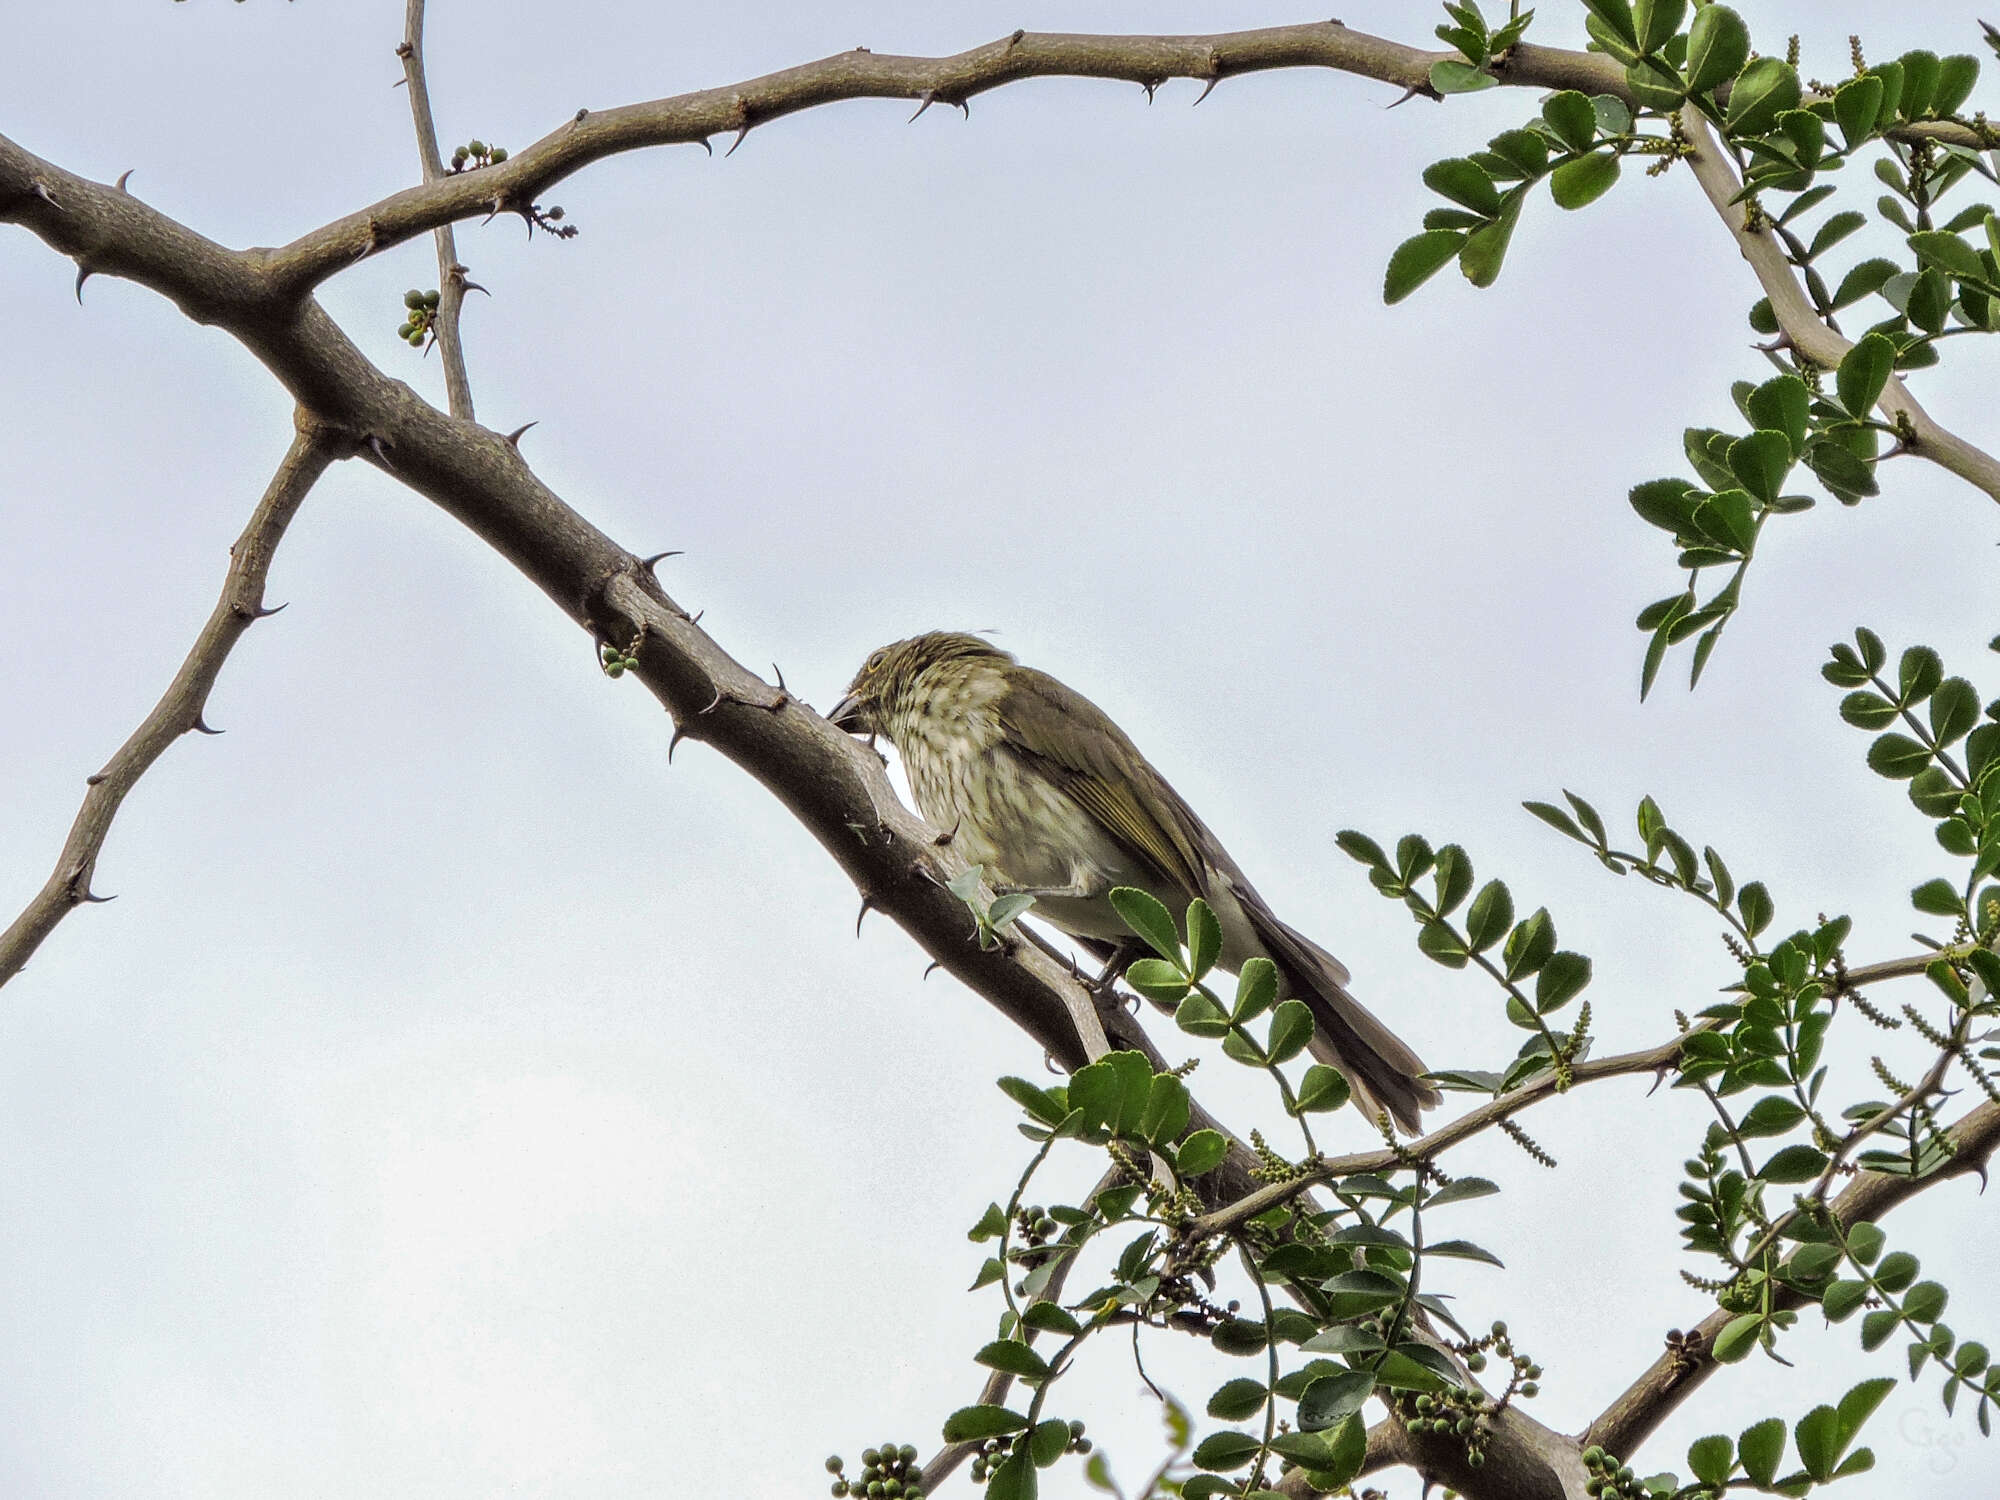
(459, 1101)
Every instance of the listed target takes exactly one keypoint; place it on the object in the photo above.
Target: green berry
(413, 298)
(499, 154)
(1475, 1361)
(1499, 1329)
(834, 1465)
(908, 1452)
(477, 148)
(1531, 1390)
(1475, 1459)
(839, 1487)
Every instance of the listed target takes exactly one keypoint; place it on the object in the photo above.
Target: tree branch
(451, 275)
(180, 707)
(1652, 1398)
(1807, 331)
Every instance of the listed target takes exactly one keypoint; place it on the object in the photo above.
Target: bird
(1033, 782)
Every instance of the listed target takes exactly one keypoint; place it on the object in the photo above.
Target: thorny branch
(180, 707)
(264, 298)
(451, 275)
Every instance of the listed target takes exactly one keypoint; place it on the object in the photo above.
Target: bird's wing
(1075, 743)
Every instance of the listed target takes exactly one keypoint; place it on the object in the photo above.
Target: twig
(1808, 332)
(451, 275)
(180, 707)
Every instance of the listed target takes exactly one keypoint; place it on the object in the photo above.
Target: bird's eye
(874, 661)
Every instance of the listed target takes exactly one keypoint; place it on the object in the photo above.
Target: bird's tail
(1381, 1068)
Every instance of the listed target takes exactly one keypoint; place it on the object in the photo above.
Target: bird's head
(894, 677)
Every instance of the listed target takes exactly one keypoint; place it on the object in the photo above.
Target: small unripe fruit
(413, 298)
(477, 148)
(499, 153)
(833, 1464)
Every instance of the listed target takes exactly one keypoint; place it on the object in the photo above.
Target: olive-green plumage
(1034, 782)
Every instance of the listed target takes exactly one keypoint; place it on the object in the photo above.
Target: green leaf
(1335, 1460)
(1561, 980)
(1656, 22)
(1616, 15)
(1572, 119)
(1454, 879)
(1856, 106)
(1954, 710)
(1849, 477)
(1200, 1016)
(1712, 1458)
(1437, 941)
(1014, 1358)
(1863, 371)
(1949, 254)
(1837, 228)
(1774, 1114)
(1237, 1399)
(1737, 1339)
(1782, 405)
(1897, 756)
(1793, 1164)
(1765, 89)
(1938, 898)
(1222, 1451)
(1202, 1152)
(1760, 463)
(1418, 259)
(1840, 1299)
(1920, 76)
(1898, 1269)
(1490, 915)
(1761, 1446)
(1256, 989)
(1653, 84)
(1204, 938)
(1817, 1437)
(1930, 302)
(1753, 902)
(1530, 945)
(1718, 46)
(1666, 503)
(1579, 183)
(1157, 979)
(1464, 1250)
(971, 1424)
(1918, 674)
(1486, 248)
(1332, 1399)
(1291, 1029)
(1877, 1327)
(1956, 76)
(1452, 76)
(1460, 1189)
(1867, 278)
(1864, 1242)
(1050, 1317)
(1013, 1480)
(1464, 182)
(1144, 914)
(1859, 1404)
(1048, 1442)
(1166, 1114)
(992, 1224)
(1323, 1088)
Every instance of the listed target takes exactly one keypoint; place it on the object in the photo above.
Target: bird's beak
(848, 714)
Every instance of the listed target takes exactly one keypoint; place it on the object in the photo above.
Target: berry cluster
(1466, 1411)
(887, 1473)
(423, 308)
(476, 154)
(1611, 1479)
(995, 1451)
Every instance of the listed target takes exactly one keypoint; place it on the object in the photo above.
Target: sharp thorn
(779, 672)
(514, 437)
(936, 963)
(399, 83)
(499, 207)
(703, 143)
(42, 192)
(125, 177)
(200, 726)
(925, 101)
(965, 108)
(381, 452)
(473, 286)
(651, 563)
(740, 134)
(1149, 88)
(680, 733)
(91, 898)
(1214, 79)
(714, 703)
(261, 613)
(867, 905)
(1417, 91)
(695, 618)
(83, 274)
